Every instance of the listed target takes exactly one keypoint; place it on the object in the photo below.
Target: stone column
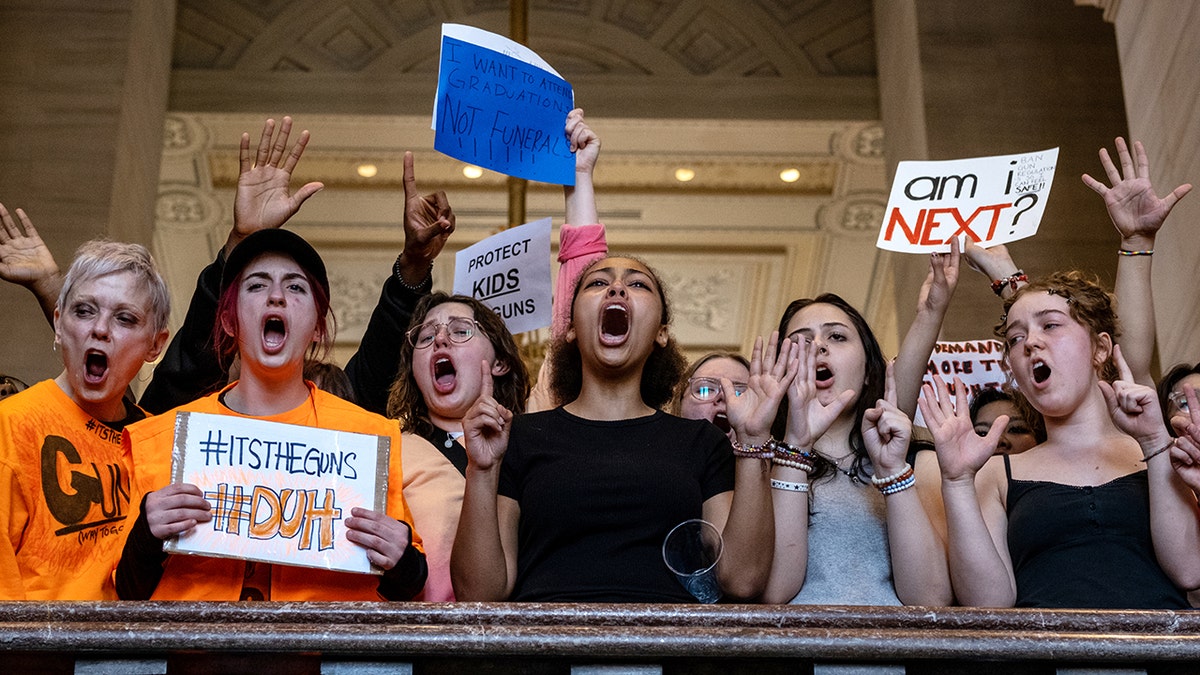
(83, 91)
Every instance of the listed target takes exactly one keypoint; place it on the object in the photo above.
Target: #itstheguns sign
(992, 200)
(510, 272)
(280, 493)
(502, 107)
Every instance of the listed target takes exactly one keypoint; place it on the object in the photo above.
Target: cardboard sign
(510, 272)
(992, 200)
(500, 109)
(978, 363)
(279, 492)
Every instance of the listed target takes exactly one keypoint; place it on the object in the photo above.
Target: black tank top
(1086, 546)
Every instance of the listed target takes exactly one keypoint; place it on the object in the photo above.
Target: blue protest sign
(503, 114)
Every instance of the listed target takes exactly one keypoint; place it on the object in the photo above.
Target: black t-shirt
(598, 498)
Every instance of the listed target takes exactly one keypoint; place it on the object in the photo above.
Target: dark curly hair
(405, 401)
(662, 371)
(1087, 302)
(872, 391)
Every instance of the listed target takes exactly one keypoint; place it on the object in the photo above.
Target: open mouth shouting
(445, 376)
(1041, 371)
(95, 366)
(722, 422)
(614, 325)
(823, 376)
(274, 334)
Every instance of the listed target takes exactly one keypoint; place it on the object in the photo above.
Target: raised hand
(486, 426)
(584, 142)
(887, 430)
(993, 262)
(384, 537)
(1133, 407)
(751, 413)
(428, 223)
(941, 280)
(1135, 209)
(175, 509)
(808, 418)
(24, 257)
(960, 451)
(264, 199)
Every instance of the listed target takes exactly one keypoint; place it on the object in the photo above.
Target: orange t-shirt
(190, 577)
(65, 502)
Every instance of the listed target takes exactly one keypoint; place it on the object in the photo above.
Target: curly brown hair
(1087, 301)
(405, 401)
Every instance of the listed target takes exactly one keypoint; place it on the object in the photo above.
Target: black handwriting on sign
(90, 483)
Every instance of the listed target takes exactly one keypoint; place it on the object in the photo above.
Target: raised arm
(25, 260)
(1174, 517)
(932, 303)
(808, 420)
(1137, 213)
(189, 368)
(917, 553)
(981, 570)
(749, 534)
(428, 224)
(483, 564)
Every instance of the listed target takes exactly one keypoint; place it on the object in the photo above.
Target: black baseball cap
(275, 241)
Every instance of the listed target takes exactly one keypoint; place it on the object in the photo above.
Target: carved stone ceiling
(738, 59)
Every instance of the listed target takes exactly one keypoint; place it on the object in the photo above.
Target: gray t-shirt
(848, 560)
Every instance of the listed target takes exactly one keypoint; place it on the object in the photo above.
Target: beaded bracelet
(792, 457)
(899, 486)
(898, 477)
(788, 485)
(1011, 280)
(1122, 251)
(763, 451)
(427, 281)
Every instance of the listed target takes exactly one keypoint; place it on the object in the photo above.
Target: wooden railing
(518, 638)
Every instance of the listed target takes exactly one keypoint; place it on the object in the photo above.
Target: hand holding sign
(176, 509)
(263, 200)
(384, 537)
(486, 426)
(1135, 209)
(428, 223)
(500, 107)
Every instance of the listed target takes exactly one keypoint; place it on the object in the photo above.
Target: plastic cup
(692, 550)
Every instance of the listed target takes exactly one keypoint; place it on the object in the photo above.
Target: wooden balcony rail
(99, 637)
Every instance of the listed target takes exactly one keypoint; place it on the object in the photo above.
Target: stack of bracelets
(791, 456)
(897, 482)
(763, 451)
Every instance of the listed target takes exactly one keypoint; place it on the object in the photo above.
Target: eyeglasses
(459, 329)
(1179, 400)
(705, 389)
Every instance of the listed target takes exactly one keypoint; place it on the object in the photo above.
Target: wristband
(1124, 252)
(1159, 451)
(788, 486)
